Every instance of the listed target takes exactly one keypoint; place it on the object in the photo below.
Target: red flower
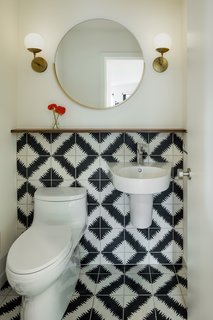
(57, 111)
(60, 110)
(52, 106)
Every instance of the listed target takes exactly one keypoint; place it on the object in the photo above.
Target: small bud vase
(55, 124)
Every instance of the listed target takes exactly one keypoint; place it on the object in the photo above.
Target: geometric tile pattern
(148, 292)
(79, 159)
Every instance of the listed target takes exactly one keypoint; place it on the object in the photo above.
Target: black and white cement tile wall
(142, 292)
(80, 159)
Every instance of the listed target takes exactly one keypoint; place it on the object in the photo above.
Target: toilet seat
(38, 248)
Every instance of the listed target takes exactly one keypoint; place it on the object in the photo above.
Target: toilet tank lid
(60, 193)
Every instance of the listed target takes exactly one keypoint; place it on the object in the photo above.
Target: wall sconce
(162, 43)
(35, 43)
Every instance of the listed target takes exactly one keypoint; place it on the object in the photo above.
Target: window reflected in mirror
(122, 77)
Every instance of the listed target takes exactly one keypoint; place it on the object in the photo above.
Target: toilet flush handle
(181, 174)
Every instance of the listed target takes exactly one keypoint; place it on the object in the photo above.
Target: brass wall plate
(39, 64)
(160, 64)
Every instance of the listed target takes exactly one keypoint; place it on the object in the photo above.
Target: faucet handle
(140, 146)
(140, 153)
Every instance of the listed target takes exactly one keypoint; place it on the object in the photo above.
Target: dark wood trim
(71, 130)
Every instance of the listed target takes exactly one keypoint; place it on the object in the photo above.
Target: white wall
(200, 136)
(159, 100)
(8, 53)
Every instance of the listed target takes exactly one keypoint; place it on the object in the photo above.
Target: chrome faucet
(140, 153)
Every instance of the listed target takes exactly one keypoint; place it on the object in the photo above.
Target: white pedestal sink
(141, 182)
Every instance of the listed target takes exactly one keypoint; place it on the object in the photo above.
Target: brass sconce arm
(162, 45)
(34, 43)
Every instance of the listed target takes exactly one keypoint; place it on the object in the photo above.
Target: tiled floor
(139, 292)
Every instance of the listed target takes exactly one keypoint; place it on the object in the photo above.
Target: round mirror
(99, 63)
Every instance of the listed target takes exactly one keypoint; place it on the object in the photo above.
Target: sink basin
(141, 182)
(140, 179)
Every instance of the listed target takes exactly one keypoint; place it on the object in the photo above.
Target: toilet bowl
(43, 263)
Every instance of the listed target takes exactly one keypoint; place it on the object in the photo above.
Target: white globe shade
(34, 40)
(162, 40)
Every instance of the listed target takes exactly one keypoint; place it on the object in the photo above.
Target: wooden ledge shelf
(71, 130)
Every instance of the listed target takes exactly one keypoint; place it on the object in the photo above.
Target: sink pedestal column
(141, 210)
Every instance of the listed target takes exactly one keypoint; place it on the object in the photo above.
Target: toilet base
(52, 303)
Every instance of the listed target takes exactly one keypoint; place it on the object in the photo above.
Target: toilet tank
(61, 205)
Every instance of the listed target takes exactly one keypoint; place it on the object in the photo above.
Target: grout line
(179, 285)
(91, 311)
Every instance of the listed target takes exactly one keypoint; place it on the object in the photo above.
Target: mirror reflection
(99, 63)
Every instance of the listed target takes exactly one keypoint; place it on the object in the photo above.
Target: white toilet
(43, 264)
